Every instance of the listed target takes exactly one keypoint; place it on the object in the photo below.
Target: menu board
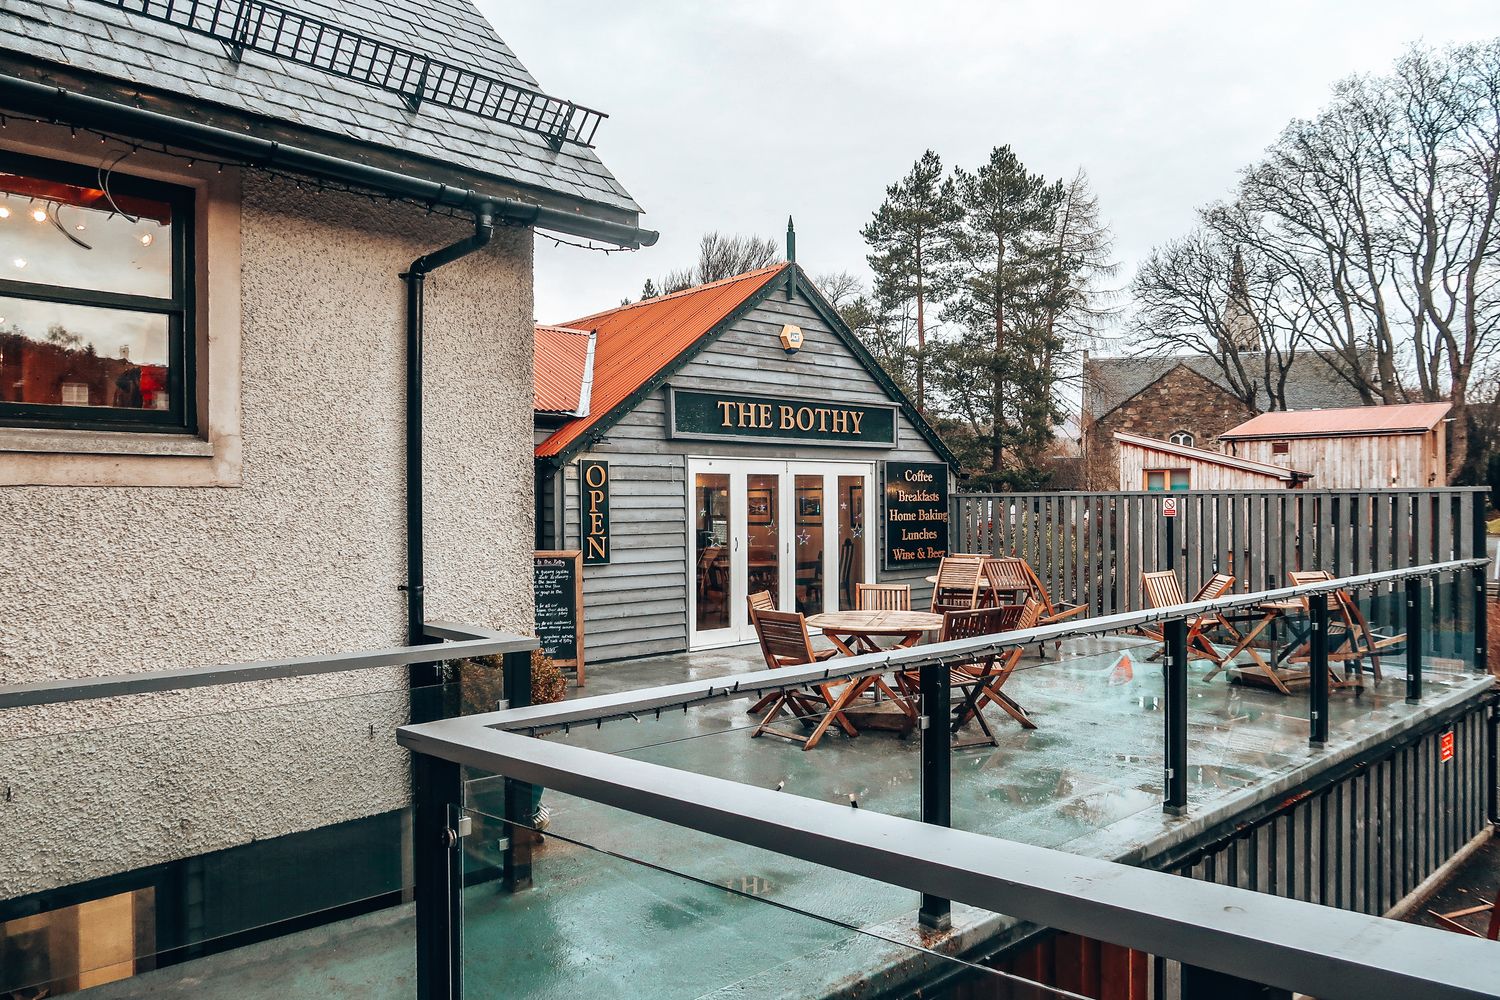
(916, 513)
(557, 580)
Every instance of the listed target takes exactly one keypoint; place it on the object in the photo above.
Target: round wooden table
(855, 632)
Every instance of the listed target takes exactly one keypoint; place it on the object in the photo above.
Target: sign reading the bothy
(594, 512)
(557, 580)
(916, 513)
(775, 418)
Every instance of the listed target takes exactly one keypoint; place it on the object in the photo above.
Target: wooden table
(855, 632)
(1270, 672)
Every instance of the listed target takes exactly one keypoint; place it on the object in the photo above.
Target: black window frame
(180, 417)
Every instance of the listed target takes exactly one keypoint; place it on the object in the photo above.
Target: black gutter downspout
(70, 107)
(415, 277)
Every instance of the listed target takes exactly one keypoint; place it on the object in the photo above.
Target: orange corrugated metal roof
(1400, 418)
(561, 356)
(635, 342)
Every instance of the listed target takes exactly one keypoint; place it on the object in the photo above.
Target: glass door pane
(762, 518)
(851, 536)
(807, 513)
(711, 550)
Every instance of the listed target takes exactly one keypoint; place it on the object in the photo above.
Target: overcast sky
(734, 115)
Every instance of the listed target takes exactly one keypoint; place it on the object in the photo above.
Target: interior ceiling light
(4, 211)
(147, 239)
(19, 262)
(39, 214)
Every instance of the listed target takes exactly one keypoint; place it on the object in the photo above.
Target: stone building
(1183, 399)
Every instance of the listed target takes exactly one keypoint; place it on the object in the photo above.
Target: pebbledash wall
(297, 548)
(637, 605)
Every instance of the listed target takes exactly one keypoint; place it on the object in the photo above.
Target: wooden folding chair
(1052, 611)
(759, 601)
(980, 681)
(1163, 590)
(1006, 581)
(1356, 641)
(784, 642)
(958, 584)
(1450, 920)
(882, 596)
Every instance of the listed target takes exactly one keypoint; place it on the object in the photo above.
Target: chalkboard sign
(916, 513)
(557, 579)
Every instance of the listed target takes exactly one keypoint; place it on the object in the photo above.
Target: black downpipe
(415, 277)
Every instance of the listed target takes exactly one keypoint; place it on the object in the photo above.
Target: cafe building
(723, 440)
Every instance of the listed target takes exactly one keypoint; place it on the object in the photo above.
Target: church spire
(1240, 328)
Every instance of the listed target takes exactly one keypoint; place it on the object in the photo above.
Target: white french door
(802, 531)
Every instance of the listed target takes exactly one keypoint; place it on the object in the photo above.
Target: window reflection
(80, 237)
(82, 356)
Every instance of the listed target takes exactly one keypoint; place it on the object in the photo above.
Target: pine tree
(906, 238)
(1001, 263)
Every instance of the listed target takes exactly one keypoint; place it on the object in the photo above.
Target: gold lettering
(596, 524)
(596, 548)
(595, 475)
(802, 412)
(747, 414)
(724, 408)
(788, 421)
(822, 419)
(855, 417)
(841, 421)
(596, 497)
(765, 415)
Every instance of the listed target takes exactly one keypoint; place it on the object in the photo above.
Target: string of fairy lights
(303, 181)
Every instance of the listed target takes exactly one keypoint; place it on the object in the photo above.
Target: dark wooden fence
(1093, 547)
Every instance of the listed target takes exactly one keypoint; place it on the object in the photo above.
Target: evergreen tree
(1002, 263)
(907, 237)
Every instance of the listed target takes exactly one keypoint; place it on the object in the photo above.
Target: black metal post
(520, 797)
(1174, 668)
(1481, 621)
(1317, 669)
(937, 776)
(1171, 543)
(437, 866)
(1492, 770)
(1414, 640)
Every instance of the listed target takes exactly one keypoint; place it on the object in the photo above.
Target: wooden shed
(1361, 447)
(1152, 464)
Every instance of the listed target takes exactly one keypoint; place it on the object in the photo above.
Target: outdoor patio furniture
(1163, 589)
(882, 596)
(784, 642)
(1262, 671)
(980, 682)
(956, 588)
(1450, 920)
(761, 600)
(855, 632)
(1350, 638)
(1006, 581)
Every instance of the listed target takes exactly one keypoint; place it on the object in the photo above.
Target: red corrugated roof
(635, 342)
(561, 355)
(1401, 418)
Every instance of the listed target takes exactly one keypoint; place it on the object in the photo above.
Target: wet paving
(629, 907)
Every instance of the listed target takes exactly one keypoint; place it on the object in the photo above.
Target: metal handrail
(624, 704)
(1265, 938)
(462, 641)
(418, 78)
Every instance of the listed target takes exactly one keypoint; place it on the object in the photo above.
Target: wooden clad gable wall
(1361, 462)
(1134, 460)
(637, 605)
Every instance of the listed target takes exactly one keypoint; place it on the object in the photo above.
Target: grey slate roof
(1311, 384)
(101, 39)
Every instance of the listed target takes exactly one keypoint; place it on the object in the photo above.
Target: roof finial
(791, 241)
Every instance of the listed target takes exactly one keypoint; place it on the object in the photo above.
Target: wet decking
(627, 907)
